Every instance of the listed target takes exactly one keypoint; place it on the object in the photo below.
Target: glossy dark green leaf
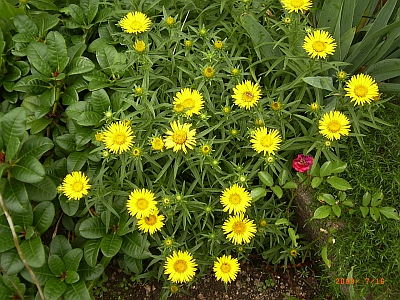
(56, 265)
(136, 246)
(33, 252)
(90, 7)
(36, 147)
(28, 169)
(37, 56)
(77, 291)
(43, 216)
(11, 262)
(71, 277)
(89, 118)
(322, 212)
(44, 190)
(44, 4)
(77, 14)
(13, 125)
(24, 24)
(100, 101)
(59, 245)
(92, 228)
(15, 196)
(91, 251)
(31, 84)
(66, 142)
(69, 96)
(57, 51)
(69, 207)
(76, 161)
(338, 183)
(110, 244)
(266, 178)
(72, 259)
(54, 288)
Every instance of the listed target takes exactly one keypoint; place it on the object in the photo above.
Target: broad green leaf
(67, 142)
(293, 236)
(54, 288)
(33, 252)
(92, 228)
(69, 207)
(76, 160)
(31, 84)
(56, 265)
(13, 74)
(9, 12)
(328, 198)
(5, 293)
(11, 262)
(90, 273)
(283, 176)
(43, 274)
(23, 219)
(385, 69)
(89, 118)
(36, 147)
(389, 212)
(77, 14)
(324, 255)
(7, 241)
(75, 110)
(15, 196)
(71, 277)
(316, 181)
(324, 83)
(44, 190)
(24, 24)
(72, 259)
(12, 148)
(338, 183)
(263, 42)
(69, 96)
(374, 212)
(377, 198)
(59, 245)
(322, 212)
(257, 193)
(57, 51)
(136, 246)
(37, 55)
(83, 136)
(47, 22)
(44, 4)
(28, 169)
(90, 7)
(290, 185)
(277, 191)
(133, 264)
(91, 251)
(336, 210)
(366, 199)
(43, 215)
(364, 211)
(76, 291)
(39, 125)
(80, 65)
(326, 169)
(13, 125)
(100, 101)
(338, 167)
(348, 203)
(266, 178)
(110, 244)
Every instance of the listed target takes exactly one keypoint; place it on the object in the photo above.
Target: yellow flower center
(150, 220)
(334, 126)
(266, 141)
(189, 103)
(77, 186)
(319, 46)
(179, 137)
(297, 3)
(247, 96)
(180, 266)
(142, 204)
(225, 268)
(174, 289)
(119, 138)
(205, 149)
(168, 242)
(209, 72)
(136, 152)
(234, 199)
(178, 108)
(157, 144)
(239, 227)
(135, 25)
(276, 106)
(360, 91)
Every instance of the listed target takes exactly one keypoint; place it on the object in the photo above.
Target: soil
(256, 281)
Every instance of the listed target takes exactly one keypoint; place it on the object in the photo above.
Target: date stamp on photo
(360, 281)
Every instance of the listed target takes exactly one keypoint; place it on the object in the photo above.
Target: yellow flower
(180, 266)
(226, 110)
(263, 223)
(205, 149)
(333, 125)
(118, 137)
(235, 199)
(264, 141)
(235, 71)
(259, 122)
(218, 45)
(174, 289)
(136, 152)
(246, 94)
(361, 89)
(170, 21)
(209, 72)
(180, 137)
(188, 44)
(275, 106)
(319, 44)
(75, 185)
(293, 252)
(141, 203)
(296, 5)
(135, 22)
(239, 229)
(341, 75)
(99, 137)
(140, 46)
(139, 90)
(314, 106)
(287, 20)
(157, 143)
(226, 268)
(152, 223)
(189, 101)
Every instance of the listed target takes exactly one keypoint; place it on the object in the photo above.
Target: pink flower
(302, 163)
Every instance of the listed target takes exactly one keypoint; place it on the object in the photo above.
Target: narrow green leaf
(324, 255)
(33, 252)
(324, 83)
(339, 183)
(28, 169)
(322, 212)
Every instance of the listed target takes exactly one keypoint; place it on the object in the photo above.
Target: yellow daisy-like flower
(235, 199)
(319, 44)
(246, 94)
(239, 230)
(180, 138)
(180, 266)
(157, 143)
(218, 45)
(75, 185)
(333, 125)
(226, 268)
(297, 5)
(139, 46)
(189, 101)
(135, 22)
(152, 223)
(118, 137)
(361, 89)
(141, 203)
(314, 106)
(264, 141)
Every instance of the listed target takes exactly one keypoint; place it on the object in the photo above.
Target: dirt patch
(256, 281)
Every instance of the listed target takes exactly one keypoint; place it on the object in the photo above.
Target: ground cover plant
(173, 134)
